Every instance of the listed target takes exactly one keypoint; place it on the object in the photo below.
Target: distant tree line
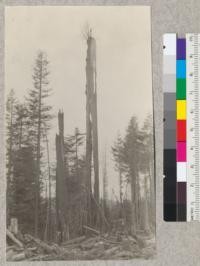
(134, 157)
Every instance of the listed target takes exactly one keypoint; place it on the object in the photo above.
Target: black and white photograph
(79, 133)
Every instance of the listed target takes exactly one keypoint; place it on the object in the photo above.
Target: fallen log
(32, 249)
(38, 258)
(91, 239)
(13, 238)
(10, 248)
(96, 251)
(111, 250)
(48, 249)
(110, 241)
(74, 241)
(9, 254)
(89, 242)
(19, 257)
(91, 229)
(124, 254)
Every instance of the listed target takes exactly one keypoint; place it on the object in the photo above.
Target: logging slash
(94, 246)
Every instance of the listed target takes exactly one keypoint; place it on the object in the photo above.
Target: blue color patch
(181, 69)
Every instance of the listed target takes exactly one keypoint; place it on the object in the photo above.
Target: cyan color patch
(181, 69)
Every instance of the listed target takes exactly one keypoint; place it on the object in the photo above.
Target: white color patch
(169, 43)
(181, 172)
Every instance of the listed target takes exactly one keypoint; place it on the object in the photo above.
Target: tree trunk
(88, 166)
(47, 216)
(152, 195)
(146, 210)
(11, 143)
(95, 148)
(10, 154)
(37, 182)
(105, 191)
(62, 197)
(91, 127)
(49, 192)
(133, 201)
(120, 192)
(89, 87)
(137, 195)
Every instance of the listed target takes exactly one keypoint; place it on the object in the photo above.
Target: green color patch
(181, 89)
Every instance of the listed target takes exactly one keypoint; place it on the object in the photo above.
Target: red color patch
(181, 130)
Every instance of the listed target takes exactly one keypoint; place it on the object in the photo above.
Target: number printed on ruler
(193, 130)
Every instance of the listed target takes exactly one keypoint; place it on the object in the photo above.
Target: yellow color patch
(181, 109)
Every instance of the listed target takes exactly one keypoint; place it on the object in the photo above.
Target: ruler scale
(193, 118)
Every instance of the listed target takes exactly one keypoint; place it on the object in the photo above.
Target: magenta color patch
(181, 151)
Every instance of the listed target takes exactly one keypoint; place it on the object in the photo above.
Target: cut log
(14, 239)
(14, 226)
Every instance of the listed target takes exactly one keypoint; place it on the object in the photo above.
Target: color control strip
(181, 157)
(170, 123)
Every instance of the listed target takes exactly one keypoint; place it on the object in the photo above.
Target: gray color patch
(169, 120)
(169, 139)
(170, 101)
(169, 83)
(169, 64)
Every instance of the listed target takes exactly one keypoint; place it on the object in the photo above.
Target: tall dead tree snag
(62, 197)
(91, 125)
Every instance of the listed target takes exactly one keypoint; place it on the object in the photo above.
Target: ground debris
(115, 246)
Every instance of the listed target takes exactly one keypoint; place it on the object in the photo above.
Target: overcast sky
(124, 81)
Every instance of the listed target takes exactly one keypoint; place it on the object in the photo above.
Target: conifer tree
(126, 154)
(147, 166)
(118, 155)
(23, 188)
(10, 120)
(40, 116)
(20, 164)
